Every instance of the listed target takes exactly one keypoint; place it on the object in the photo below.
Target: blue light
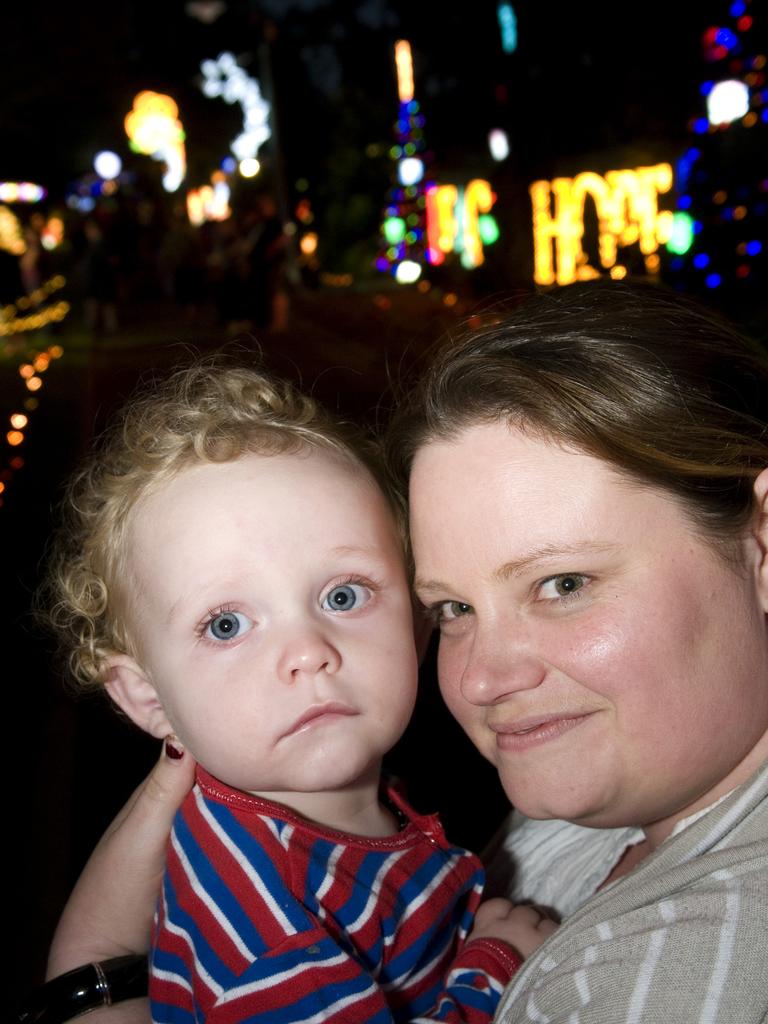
(697, 227)
(713, 281)
(228, 165)
(706, 88)
(508, 27)
(764, 114)
(677, 263)
(685, 166)
(753, 248)
(701, 126)
(701, 260)
(726, 38)
(684, 203)
(737, 8)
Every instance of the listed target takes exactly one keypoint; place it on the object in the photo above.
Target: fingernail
(173, 748)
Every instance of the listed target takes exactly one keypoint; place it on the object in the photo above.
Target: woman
(589, 514)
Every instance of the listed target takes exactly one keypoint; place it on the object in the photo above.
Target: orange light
(27, 370)
(404, 64)
(34, 383)
(14, 437)
(19, 420)
(41, 362)
(55, 351)
(308, 243)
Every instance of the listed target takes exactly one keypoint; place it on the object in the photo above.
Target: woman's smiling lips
(317, 714)
(534, 730)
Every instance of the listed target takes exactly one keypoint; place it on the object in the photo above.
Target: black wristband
(86, 988)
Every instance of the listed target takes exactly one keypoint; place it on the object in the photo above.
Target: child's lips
(318, 713)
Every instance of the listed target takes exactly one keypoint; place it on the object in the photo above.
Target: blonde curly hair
(208, 412)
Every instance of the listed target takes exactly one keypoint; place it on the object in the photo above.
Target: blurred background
(328, 186)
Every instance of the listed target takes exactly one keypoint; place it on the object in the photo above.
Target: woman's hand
(111, 908)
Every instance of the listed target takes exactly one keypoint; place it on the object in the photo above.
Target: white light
(498, 144)
(410, 170)
(225, 78)
(407, 272)
(249, 167)
(107, 165)
(175, 169)
(727, 101)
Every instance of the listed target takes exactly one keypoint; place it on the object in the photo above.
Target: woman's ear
(761, 533)
(129, 687)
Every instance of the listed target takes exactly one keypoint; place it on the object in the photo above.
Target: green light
(410, 149)
(487, 228)
(394, 230)
(412, 219)
(681, 239)
(410, 238)
(395, 152)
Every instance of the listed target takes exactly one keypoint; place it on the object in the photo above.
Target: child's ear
(128, 686)
(761, 533)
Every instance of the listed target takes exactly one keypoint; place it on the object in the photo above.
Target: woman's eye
(228, 625)
(450, 610)
(565, 585)
(346, 597)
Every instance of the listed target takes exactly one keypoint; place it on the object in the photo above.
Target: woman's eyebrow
(517, 566)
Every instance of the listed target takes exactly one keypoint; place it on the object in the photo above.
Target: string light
(35, 362)
(403, 227)
(225, 78)
(15, 320)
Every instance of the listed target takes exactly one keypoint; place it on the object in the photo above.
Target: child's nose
(308, 652)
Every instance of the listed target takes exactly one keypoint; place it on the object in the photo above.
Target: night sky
(586, 77)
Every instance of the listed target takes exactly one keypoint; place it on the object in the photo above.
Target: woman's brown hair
(651, 383)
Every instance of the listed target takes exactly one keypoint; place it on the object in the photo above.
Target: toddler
(232, 572)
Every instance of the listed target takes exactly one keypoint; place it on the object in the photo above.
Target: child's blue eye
(346, 597)
(228, 625)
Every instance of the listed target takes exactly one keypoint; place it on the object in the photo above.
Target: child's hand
(523, 927)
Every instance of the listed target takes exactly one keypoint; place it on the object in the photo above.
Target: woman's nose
(307, 651)
(497, 667)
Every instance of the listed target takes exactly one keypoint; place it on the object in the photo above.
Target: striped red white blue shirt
(265, 916)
